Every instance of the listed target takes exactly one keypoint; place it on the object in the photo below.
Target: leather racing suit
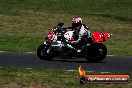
(81, 37)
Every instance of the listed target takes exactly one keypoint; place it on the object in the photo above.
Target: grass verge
(15, 77)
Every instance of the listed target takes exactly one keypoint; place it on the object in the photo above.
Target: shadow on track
(73, 60)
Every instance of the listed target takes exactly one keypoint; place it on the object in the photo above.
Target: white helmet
(76, 21)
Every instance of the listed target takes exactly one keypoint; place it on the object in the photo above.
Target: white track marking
(76, 70)
(70, 70)
(1, 67)
(110, 55)
(28, 68)
(105, 72)
(35, 52)
(88, 71)
(29, 52)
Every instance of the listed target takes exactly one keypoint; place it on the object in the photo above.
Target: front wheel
(97, 53)
(44, 52)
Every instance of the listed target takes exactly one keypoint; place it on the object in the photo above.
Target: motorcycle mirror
(60, 24)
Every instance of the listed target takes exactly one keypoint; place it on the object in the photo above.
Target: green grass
(25, 23)
(47, 79)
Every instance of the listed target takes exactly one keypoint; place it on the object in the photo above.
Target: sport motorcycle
(56, 45)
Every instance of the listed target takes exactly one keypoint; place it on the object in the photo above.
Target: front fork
(49, 46)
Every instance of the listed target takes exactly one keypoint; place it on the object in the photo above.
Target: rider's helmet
(76, 22)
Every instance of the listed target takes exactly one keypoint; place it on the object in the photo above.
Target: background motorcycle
(56, 45)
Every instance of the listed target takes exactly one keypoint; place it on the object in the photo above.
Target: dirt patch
(14, 85)
(11, 85)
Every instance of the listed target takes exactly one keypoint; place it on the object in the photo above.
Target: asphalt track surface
(30, 60)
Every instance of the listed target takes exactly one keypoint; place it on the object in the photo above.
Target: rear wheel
(97, 53)
(44, 53)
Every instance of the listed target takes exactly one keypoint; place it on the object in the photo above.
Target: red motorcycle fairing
(50, 36)
(101, 36)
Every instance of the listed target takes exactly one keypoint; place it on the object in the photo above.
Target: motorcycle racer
(81, 34)
(75, 41)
